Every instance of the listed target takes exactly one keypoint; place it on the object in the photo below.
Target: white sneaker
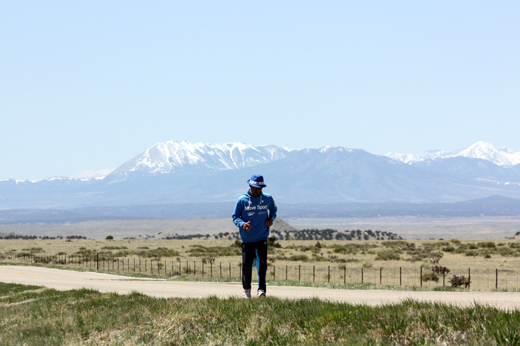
(260, 294)
(247, 294)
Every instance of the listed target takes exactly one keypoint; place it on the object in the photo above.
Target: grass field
(501, 253)
(34, 316)
(390, 263)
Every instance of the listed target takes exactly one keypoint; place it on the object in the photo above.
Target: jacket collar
(249, 194)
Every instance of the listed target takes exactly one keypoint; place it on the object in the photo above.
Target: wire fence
(478, 279)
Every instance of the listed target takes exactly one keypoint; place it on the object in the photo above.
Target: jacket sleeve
(272, 210)
(237, 214)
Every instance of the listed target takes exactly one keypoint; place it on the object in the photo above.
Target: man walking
(254, 213)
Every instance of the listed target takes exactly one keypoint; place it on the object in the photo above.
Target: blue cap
(256, 181)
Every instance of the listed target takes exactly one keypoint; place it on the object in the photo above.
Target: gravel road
(68, 280)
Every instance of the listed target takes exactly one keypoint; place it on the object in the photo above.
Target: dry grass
(365, 253)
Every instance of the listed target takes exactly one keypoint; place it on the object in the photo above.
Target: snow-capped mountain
(180, 172)
(480, 150)
(183, 156)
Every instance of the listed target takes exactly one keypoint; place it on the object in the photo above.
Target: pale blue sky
(87, 85)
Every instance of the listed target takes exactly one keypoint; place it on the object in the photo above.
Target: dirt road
(68, 280)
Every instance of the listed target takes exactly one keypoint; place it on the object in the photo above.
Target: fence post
(221, 270)
(380, 275)
(313, 273)
(328, 274)
(345, 275)
(211, 269)
(469, 278)
(229, 270)
(299, 272)
(361, 275)
(400, 276)
(97, 260)
(274, 272)
(420, 277)
(496, 282)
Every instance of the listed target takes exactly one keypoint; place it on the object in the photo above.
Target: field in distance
(500, 253)
(411, 228)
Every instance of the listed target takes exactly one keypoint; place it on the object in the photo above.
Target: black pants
(249, 251)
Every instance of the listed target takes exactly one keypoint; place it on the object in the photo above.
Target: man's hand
(247, 226)
(268, 222)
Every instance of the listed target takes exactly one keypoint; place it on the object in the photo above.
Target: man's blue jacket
(257, 210)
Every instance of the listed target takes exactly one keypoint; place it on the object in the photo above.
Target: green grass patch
(8, 289)
(87, 317)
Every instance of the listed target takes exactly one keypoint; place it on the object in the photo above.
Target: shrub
(458, 281)
(345, 249)
(203, 251)
(440, 270)
(272, 242)
(505, 251)
(109, 237)
(461, 249)
(159, 252)
(303, 258)
(387, 255)
(397, 243)
(435, 257)
(430, 277)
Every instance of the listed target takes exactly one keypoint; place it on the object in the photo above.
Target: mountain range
(480, 150)
(199, 174)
